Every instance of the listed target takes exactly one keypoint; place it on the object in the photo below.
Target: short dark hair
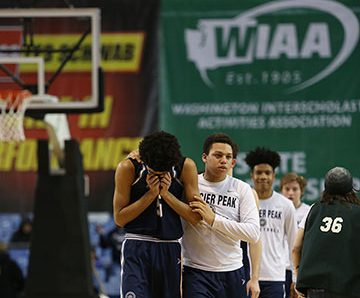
(219, 138)
(262, 155)
(160, 151)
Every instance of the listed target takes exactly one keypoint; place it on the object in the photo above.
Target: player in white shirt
(277, 222)
(212, 254)
(293, 186)
(251, 258)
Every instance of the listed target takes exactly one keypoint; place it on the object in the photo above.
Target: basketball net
(13, 104)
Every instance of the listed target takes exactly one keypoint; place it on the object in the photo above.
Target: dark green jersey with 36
(330, 256)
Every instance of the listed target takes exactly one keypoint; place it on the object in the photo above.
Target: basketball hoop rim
(31, 99)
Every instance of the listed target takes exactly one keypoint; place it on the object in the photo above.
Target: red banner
(129, 61)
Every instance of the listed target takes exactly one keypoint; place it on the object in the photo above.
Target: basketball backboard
(53, 52)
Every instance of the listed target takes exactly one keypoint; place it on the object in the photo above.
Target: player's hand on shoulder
(134, 155)
(198, 205)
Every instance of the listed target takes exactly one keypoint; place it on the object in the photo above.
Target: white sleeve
(303, 220)
(248, 229)
(290, 227)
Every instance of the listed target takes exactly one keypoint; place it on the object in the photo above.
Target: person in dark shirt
(113, 240)
(149, 198)
(11, 278)
(23, 234)
(326, 251)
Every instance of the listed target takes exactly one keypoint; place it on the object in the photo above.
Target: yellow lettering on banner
(7, 155)
(119, 52)
(26, 156)
(30, 123)
(97, 120)
(122, 51)
(86, 147)
(105, 154)
(98, 154)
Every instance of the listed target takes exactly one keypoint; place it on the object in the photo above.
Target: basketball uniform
(151, 253)
(330, 258)
(212, 254)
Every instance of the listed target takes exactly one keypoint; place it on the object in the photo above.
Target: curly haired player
(148, 203)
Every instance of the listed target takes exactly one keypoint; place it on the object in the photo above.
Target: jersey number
(330, 224)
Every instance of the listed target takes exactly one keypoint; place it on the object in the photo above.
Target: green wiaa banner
(280, 74)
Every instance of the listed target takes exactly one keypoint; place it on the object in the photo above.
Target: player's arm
(255, 251)
(256, 197)
(290, 227)
(297, 249)
(247, 230)
(124, 177)
(189, 179)
(296, 255)
(298, 243)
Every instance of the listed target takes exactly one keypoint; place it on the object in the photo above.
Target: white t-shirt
(217, 248)
(277, 225)
(301, 212)
(303, 220)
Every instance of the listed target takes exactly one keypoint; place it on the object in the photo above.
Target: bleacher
(9, 222)
(108, 272)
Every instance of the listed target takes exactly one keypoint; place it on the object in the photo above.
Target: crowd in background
(15, 233)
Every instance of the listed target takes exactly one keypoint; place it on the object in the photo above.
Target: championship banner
(279, 74)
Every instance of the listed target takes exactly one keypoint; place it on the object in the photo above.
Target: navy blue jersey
(167, 227)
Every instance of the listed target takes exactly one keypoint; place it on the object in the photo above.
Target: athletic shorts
(272, 289)
(150, 269)
(199, 283)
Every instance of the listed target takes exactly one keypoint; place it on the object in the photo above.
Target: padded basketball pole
(59, 264)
